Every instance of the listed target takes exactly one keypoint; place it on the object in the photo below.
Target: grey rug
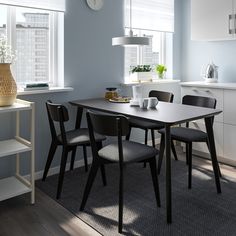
(199, 211)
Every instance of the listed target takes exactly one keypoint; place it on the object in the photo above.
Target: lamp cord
(130, 18)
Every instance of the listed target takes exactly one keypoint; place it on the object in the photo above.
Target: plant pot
(8, 89)
(141, 76)
(161, 76)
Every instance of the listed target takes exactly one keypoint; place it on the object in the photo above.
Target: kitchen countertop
(203, 84)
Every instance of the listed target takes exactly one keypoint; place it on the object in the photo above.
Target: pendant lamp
(130, 40)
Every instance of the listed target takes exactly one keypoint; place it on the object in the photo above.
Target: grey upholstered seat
(132, 152)
(80, 136)
(186, 134)
(119, 152)
(137, 123)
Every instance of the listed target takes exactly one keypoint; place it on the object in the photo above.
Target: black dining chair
(121, 152)
(188, 135)
(69, 140)
(152, 126)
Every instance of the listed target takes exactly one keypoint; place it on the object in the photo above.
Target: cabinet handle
(194, 90)
(232, 17)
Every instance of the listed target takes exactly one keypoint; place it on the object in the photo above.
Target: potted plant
(8, 89)
(141, 73)
(161, 70)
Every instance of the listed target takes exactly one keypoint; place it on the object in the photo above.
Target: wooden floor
(46, 217)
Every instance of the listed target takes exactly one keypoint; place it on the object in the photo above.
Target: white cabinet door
(210, 19)
(230, 107)
(207, 92)
(230, 142)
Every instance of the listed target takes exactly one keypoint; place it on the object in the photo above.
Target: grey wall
(91, 64)
(195, 54)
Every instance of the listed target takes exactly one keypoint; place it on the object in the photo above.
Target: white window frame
(140, 56)
(56, 44)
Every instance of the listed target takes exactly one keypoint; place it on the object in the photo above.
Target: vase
(161, 75)
(8, 89)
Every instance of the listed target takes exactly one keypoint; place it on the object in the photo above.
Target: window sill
(161, 81)
(50, 90)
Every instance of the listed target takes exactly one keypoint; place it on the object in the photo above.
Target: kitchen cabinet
(224, 125)
(230, 142)
(17, 184)
(213, 20)
(229, 107)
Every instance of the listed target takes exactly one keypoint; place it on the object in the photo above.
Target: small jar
(111, 93)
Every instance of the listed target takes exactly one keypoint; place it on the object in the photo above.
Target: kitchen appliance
(137, 94)
(210, 73)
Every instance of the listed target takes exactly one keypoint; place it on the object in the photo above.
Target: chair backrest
(57, 113)
(108, 125)
(162, 96)
(199, 101)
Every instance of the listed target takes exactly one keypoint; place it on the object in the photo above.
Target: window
(153, 19)
(36, 33)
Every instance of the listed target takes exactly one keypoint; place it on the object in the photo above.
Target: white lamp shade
(130, 40)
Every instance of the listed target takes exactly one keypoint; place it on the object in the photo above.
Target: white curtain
(150, 15)
(53, 5)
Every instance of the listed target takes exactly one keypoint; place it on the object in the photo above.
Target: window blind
(155, 15)
(53, 5)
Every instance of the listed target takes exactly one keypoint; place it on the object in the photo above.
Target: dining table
(168, 114)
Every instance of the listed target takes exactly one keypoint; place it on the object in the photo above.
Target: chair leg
(91, 177)
(62, 171)
(146, 139)
(128, 135)
(146, 136)
(85, 158)
(72, 158)
(161, 153)
(173, 150)
(189, 165)
(217, 161)
(153, 138)
(153, 169)
(102, 167)
(51, 153)
(187, 151)
(103, 173)
(120, 220)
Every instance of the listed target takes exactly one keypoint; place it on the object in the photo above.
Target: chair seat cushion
(186, 134)
(132, 152)
(137, 123)
(80, 137)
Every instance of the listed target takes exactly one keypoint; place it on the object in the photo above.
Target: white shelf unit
(17, 185)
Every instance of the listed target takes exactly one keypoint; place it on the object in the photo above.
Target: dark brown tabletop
(166, 113)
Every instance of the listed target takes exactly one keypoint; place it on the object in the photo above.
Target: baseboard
(55, 170)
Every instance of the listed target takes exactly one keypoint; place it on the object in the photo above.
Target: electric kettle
(211, 73)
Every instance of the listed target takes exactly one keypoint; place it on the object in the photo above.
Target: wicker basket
(8, 89)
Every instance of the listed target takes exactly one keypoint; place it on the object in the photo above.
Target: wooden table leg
(168, 174)
(211, 140)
